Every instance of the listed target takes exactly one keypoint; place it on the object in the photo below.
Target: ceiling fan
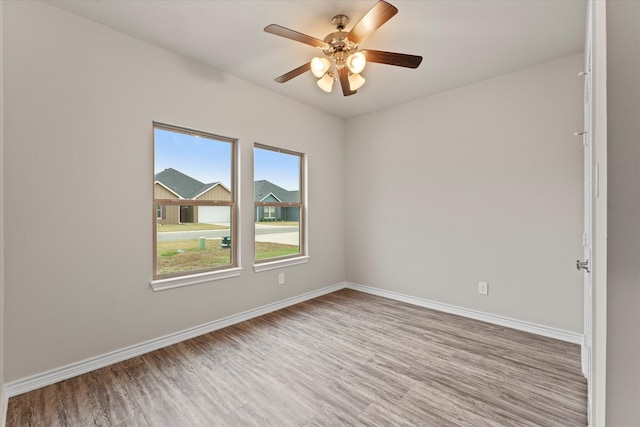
(342, 58)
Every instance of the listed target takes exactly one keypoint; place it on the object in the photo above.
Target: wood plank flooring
(344, 359)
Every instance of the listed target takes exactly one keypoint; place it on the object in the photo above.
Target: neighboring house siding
(171, 215)
(216, 193)
(170, 212)
(159, 192)
(290, 214)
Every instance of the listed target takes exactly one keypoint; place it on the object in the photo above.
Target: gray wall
(623, 293)
(480, 183)
(80, 101)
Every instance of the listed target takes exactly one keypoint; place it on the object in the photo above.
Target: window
(269, 213)
(194, 204)
(279, 204)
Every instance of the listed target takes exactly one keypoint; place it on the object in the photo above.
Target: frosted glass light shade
(356, 62)
(319, 66)
(326, 83)
(356, 81)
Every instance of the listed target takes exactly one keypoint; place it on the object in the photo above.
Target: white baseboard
(34, 382)
(53, 376)
(533, 328)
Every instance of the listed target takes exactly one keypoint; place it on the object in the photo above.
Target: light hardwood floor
(346, 358)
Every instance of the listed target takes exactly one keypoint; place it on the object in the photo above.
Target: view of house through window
(279, 209)
(194, 207)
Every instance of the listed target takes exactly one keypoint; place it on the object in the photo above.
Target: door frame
(588, 188)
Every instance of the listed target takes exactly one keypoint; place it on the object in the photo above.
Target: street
(262, 230)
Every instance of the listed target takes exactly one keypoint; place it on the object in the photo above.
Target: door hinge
(583, 265)
(582, 134)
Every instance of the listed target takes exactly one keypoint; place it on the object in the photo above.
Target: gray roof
(181, 184)
(188, 188)
(263, 188)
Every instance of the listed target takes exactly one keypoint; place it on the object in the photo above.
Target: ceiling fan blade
(293, 73)
(392, 58)
(380, 13)
(343, 73)
(294, 35)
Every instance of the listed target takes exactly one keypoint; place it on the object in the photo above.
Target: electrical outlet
(483, 288)
(281, 279)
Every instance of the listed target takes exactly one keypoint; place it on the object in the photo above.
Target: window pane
(275, 238)
(277, 176)
(191, 166)
(201, 239)
(193, 201)
(278, 203)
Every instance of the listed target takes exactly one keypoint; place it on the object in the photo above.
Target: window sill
(265, 266)
(194, 279)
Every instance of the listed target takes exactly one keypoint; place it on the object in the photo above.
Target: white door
(586, 263)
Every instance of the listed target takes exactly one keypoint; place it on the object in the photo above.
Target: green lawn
(185, 255)
(266, 250)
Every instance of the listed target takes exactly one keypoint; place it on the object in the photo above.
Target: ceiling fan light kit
(342, 58)
(356, 81)
(356, 62)
(326, 82)
(319, 66)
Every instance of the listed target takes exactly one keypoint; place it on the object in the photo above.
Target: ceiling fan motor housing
(339, 47)
(340, 21)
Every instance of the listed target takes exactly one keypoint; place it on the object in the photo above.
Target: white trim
(4, 405)
(274, 196)
(533, 328)
(53, 376)
(194, 279)
(272, 265)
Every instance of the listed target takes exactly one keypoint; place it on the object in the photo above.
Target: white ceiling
(461, 41)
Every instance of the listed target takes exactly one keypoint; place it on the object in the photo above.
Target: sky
(208, 160)
(204, 159)
(279, 168)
